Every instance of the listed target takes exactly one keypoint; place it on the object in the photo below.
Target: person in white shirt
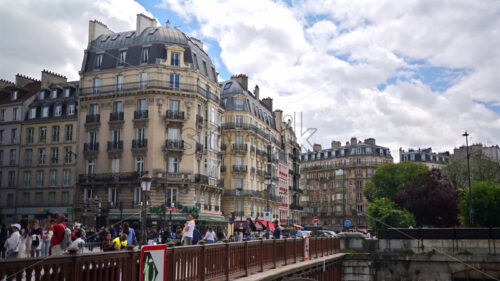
(188, 231)
(77, 244)
(210, 236)
(13, 242)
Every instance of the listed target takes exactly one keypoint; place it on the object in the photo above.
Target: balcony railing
(139, 143)
(220, 183)
(198, 178)
(261, 152)
(174, 115)
(174, 144)
(115, 145)
(116, 116)
(141, 114)
(109, 177)
(252, 193)
(240, 168)
(91, 147)
(240, 147)
(93, 118)
(251, 127)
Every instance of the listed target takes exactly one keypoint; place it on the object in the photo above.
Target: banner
(153, 263)
(306, 248)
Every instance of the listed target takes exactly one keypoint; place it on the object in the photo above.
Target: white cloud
(53, 35)
(300, 52)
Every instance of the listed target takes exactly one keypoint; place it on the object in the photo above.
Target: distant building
(425, 156)
(491, 152)
(333, 180)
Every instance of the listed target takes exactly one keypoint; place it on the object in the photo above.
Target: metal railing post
(226, 264)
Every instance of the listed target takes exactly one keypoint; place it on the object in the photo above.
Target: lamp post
(471, 210)
(146, 186)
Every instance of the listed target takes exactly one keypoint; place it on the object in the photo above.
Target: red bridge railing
(220, 261)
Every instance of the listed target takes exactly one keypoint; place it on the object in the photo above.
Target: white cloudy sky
(408, 73)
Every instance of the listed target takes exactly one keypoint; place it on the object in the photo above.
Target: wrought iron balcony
(91, 147)
(174, 144)
(252, 193)
(240, 168)
(174, 115)
(109, 177)
(198, 178)
(240, 147)
(116, 116)
(93, 118)
(115, 146)
(220, 183)
(141, 114)
(136, 144)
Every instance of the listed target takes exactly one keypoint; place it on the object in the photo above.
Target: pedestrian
(102, 235)
(13, 243)
(77, 244)
(189, 227)
(36, 239)
(112, 230)
(277, 230)
(3, 238)
(58, 236)
(210, 236)
(293, 232)
(129, 231)
(46, 237)
(299, 232)
(107, 243)
(91, 238)
(120, 242)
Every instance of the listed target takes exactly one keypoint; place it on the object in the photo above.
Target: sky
(410, 74)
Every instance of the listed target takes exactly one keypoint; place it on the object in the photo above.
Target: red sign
(316, 219)
(306, 248)
(153, 263)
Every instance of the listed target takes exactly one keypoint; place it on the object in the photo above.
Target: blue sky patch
(493, 106)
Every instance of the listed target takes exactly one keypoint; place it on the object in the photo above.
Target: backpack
(35, 240)
(66, 239)
(196, 236)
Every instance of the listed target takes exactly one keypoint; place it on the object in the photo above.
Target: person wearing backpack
(13, 242)
(36, 239)
(61, 237)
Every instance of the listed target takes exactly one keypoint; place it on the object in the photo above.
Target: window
(113, 195)
(122, 58)
(239, 104)
(90, 167)
(96, 85)
(14, 113)
(67, 91)
(13, 154)
(41, 95)
(52, 178)
(45, 111)
(67, 155)
(141, 105)
(12, 178)
(70, 109)
(92, 137)
(13, 134)
(137, 195)
(69, 132)
(30, 132)
(27, 179)
(41, 156)
(145, 55)
(26, 198)
(52, 198)
(172, 195)
(1, 157)
(32, 113)
(66, 177)
(205, 68)
(174, 59)
(39, 178)
(98, 61)
(228, 85)
(1, 136)
(195, 59)
(115, 137)
(53, 94)
(143, 78)
(359, 209)
(58, 110)
(38, 198)
(173, 134)
(65, 197)
(174, 105)
(174, 81)
(54, 155)
(28, 157)
(173, 165)
(119, 83)
(13, 95)
(238, 183)
(115, 165)
(238, 121)
(139, 134)
(139, 164)
(55, 133)
(43, 134)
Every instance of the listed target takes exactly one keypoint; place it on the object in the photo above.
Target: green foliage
(486, 204)
(430, 253)
(350, 251)
(481, 168)
(464, 253)
(408, 252)
(195, 210)
(389, 178)
(383, 213)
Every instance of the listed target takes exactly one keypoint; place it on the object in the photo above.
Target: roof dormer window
(53, 94)
(228, 85)
(66, 92)
(145, 55)
(122, 58)
(98, 61)
(41, 95)
(13, 95)
(45, 111)
(115, 36)
(174, 59)
(130, 34)
(32, 113)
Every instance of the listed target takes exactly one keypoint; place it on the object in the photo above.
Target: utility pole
(471, 210)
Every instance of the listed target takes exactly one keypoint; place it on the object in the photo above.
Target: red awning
(264, 223)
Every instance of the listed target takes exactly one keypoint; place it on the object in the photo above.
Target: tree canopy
(485, 202)
(383, 213)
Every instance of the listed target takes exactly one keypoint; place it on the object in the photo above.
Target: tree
(481, 168)
(383, 213)
(486, 203)
(431, 199)
(389, 178)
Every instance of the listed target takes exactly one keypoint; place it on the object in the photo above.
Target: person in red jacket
(57, 237)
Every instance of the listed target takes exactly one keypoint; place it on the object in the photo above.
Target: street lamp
(471, 210)
(146, 187)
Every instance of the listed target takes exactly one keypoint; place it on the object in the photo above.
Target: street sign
(316, 219)
(347, 223)
(267, 216)
(153, 263)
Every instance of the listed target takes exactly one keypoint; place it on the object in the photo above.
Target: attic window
(13, 95)
(104, 39)
(130, 34)
(228, 85)
(114, 37)
(151, 32)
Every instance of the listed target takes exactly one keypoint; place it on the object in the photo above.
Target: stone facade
(425, 156)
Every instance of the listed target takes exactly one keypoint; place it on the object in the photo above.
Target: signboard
(153, 263)
(316, 219)
(347, 223)
(306, 248)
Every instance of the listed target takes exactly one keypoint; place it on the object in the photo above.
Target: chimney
(242, 79)
(4, 83)
(354, 141)
(256, 92)
(144, 22)
(335, 144)
(316, 147)
(52, 78)
(278, 117)
(96, 29)
(167, 24)
(370, 141)
(22, 80)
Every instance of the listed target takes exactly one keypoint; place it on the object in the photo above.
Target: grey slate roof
(153, 37)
